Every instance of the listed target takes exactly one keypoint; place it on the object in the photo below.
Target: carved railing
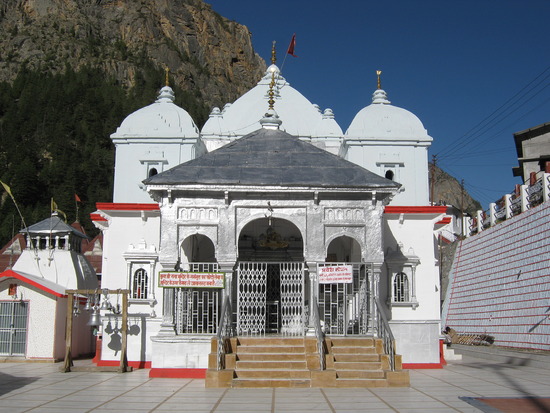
(383, 331)
(533, 192)
(319, 335)
(225, 331)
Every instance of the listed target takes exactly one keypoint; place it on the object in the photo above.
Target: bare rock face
(206, 53)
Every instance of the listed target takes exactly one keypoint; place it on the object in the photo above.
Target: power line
(487, 122)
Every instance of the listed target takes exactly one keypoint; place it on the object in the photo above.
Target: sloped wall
(500, 282)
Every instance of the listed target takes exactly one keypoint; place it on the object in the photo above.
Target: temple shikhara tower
(273, 228)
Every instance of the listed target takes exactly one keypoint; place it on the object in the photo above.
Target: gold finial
(273, 53)
(378, 73)
(271, 100)
(166, 71)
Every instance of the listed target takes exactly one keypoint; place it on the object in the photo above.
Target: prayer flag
(77, 198)
(7, 189)
(291, 46)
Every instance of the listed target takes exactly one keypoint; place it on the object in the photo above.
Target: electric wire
(495, 117)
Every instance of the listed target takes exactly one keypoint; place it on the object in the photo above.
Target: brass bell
(95, 319)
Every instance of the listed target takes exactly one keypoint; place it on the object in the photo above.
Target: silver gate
(13, 327)
(345, 309)
(270, 298)
(197, 309)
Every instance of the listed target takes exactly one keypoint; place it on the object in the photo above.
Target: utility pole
(462, 207)
(434, 161)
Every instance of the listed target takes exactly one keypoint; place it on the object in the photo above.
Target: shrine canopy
(271, 157)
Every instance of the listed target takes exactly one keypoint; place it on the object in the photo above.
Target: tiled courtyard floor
(35, 387)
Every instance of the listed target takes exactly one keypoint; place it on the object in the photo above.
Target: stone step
(356, 357)
(272, 374)
(353, 350)
(263, 383)
(360, 374)
(352, 341)
(271, 349)
(361, 383)
(271, 341)
(272, 364)
(357, 365)
(270, 357)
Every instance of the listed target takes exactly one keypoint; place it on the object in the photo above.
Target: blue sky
(474, 72)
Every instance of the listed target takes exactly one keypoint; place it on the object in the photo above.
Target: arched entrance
(270, 285)
(346, 307)
(197, 309)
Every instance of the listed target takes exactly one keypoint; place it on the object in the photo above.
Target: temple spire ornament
(378, 73)
(166, 80)
(271, 93)
(273, 53)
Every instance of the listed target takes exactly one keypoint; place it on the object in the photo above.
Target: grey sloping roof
(54, 225)
(271, 158)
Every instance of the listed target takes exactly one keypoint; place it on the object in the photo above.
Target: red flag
(77, 198)
(292, 45)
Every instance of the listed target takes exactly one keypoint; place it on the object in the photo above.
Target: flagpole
(284, 60)
(8, 190)
(76, 203)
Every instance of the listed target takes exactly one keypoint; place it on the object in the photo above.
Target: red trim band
(13, 274)
(120, 206)
(444, 221)
(97, 218)
(421, 366)
(415, 209)
(178, 373)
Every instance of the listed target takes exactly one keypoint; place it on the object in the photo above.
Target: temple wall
(500, 282)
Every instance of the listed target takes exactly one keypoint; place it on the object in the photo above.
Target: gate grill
(270, 298)
(292, 298)
(13, 327)
(345, 309)
(251, 298)
(197, 309)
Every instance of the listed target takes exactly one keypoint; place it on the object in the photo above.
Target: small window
(401, 288)
(152, 172)
(140, 284)
(389, 175)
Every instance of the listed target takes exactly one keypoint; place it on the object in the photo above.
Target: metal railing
(225, 331)
(383, 331)
(533, 192)
(319, 335)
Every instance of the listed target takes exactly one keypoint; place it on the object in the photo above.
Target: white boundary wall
(500, 282)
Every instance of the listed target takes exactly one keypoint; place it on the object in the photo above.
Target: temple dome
(162, 119)
(298, 115)
(382, 120)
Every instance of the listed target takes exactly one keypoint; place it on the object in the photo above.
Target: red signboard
(192, 279)
(342, 274)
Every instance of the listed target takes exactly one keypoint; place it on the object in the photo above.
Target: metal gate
(345, 309)
(13, 327)
(270, 298)
(197, 309)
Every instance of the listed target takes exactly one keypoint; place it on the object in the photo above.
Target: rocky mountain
(448, 191)
(205, 52)
(71, 70)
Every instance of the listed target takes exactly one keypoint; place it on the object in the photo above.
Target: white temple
(274, 214)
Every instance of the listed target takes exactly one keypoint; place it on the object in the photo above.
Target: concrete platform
(39, 387)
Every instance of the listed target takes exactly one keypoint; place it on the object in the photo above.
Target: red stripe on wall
(178, 373)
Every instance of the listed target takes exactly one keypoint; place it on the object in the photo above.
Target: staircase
(294, 362)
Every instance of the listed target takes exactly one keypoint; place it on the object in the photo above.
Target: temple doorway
(270, 289)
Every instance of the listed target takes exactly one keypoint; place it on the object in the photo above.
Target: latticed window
(401, 287)
(140, 284)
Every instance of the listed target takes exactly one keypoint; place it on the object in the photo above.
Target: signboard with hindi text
(189, 279)
(342, 274)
